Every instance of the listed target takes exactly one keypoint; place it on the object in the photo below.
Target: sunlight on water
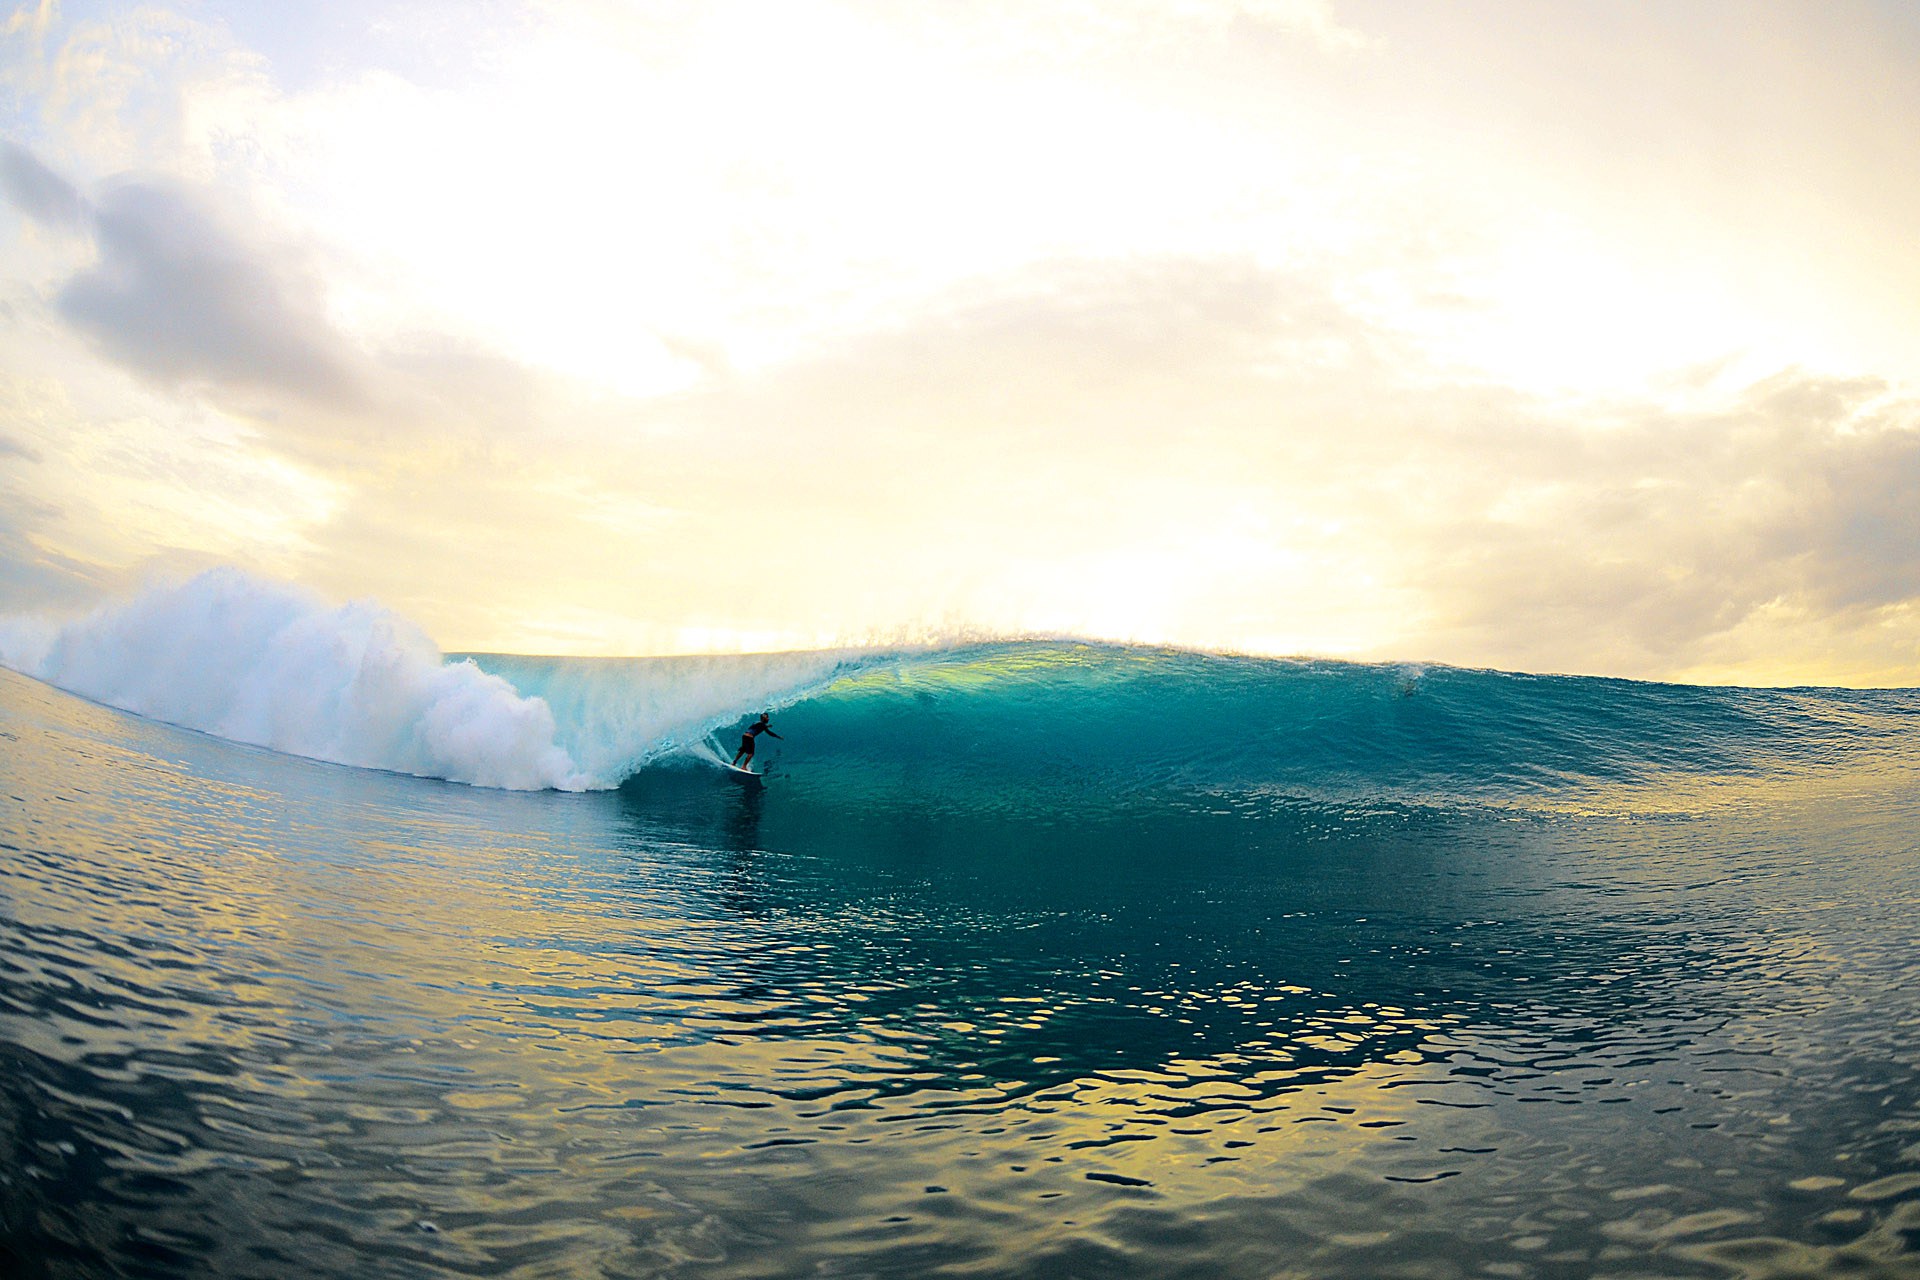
(261, 1016)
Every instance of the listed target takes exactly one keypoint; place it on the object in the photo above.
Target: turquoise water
(1028, 959)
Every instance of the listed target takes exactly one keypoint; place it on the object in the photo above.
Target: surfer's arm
(771, 734)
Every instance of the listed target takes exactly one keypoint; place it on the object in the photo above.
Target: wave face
(1050, 732)
(1060, 726)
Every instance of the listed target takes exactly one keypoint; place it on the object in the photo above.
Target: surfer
(743, 758)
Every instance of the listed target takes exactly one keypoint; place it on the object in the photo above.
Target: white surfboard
(738, 772)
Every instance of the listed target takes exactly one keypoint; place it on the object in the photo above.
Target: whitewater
(1031, 957)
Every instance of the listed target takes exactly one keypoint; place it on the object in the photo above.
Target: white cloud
(177, 293)
(39, 192)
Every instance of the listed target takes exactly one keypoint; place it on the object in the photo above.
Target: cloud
(1240, 459)
(183, 290)
(1311, 17)
(32, 572)
(1857, 515)
(1635, 539)
(180, 293)
(38, 191)
(1155, 28)
(192, 294)
(1199, 449)
(1083, 397)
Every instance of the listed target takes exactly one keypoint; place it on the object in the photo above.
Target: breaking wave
(275, 666)
(1062, 724)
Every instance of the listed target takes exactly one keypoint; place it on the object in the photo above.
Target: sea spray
(273, 665)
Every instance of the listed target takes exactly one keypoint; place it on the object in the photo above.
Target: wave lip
(272, 665)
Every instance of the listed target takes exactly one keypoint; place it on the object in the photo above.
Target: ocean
(1028, 958)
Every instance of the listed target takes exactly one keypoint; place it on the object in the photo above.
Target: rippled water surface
(266, 1017)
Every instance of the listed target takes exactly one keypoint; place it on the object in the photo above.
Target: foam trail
(269, 664)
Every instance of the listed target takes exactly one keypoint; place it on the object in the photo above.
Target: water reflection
(1044, 956)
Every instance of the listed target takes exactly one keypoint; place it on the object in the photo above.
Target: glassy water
(924, 1005)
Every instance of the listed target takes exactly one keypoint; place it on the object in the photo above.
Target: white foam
(270, 664)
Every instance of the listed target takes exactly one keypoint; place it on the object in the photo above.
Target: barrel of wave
(615, 716)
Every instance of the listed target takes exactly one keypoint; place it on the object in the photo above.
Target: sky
(1571, 337)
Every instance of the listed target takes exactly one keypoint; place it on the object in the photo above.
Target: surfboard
(738, 772)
